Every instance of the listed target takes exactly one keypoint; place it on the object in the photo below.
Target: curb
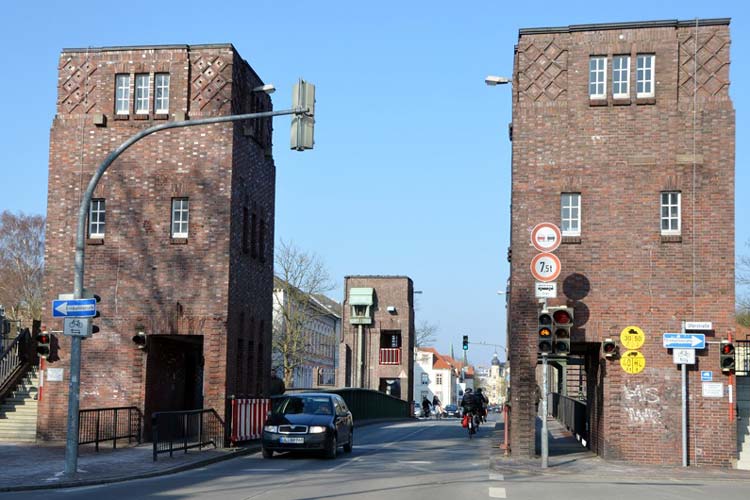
(254, 448)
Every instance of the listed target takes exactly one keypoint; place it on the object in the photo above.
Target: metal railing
(571, 413)
(390, 356)
(742, 358)
(184, 430)
(369, 404)
(97, 425)
(13, 358)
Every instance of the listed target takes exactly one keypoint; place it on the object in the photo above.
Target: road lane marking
(497, 493)
(496, 477)
(355, 459)
(414, 462)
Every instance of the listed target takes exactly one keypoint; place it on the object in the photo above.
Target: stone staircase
(18, 410)
(743, 422)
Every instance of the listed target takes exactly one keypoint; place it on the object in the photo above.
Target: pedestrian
(436, 406)
(425, 407)
(276, 387)
(537, 397)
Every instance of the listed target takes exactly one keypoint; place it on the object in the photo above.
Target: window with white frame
(598, 77)
(161, 93)
(96, 218)
(439, 379)
(644, 75)
(425, 378)
(570, 214)
(122, 94)
(180, 216)
(141, 94)
(670, 212)
(620, 76)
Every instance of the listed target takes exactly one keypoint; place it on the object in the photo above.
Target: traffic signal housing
(609, 348)
(562, 324)
(466, 343)
(43, 340)
(544, 330)
(303, 96)
(726, 357)
(139, 339)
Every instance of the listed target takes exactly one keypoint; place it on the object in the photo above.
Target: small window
(670, 213)
(180, 217)
(425, 378)
(96, 218)
(570, 214)
(621, 77)
(439, 378)
(644, 76)
(122, 94)
(598, 77)
(161, 93)
(141, 94)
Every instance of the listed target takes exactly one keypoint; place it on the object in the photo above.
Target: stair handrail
(11, 361)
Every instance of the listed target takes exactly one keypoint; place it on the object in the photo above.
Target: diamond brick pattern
(77, 92)
(545, 65)
(712, 70)
(211, 85)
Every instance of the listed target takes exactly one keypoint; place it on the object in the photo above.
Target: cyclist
(425, 407)
(437, 407)
(483, 404)
(471, 406)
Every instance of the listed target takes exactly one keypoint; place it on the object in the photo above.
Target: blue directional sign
(684, 340)
(707, 376)
(74, 308)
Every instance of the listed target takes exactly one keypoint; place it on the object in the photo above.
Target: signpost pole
(545, 444)
(684, 410)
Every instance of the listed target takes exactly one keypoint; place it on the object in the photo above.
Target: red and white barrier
(248, 417)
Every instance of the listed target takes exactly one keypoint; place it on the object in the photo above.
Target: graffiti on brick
(643, 404)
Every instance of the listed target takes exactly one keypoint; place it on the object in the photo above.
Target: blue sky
(411, 170)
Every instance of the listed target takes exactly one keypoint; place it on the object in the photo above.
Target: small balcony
(390, 356)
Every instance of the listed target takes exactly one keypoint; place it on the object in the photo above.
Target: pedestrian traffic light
(43, 340)
(544, 342)
(466, 342)
(726, 357)
(562, 324)
(94, 328)
(609, 348)
(303, 96)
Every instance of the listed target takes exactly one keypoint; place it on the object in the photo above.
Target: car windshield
(316, 405)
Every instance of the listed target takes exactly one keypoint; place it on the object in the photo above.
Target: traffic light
(562, 320)
(466, 342)
(43, 340)
(140, 339)
(609, 348)
(94, 328)
(726, 357)
(544, 343)
(303, 96)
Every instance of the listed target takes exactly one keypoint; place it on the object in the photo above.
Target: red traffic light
(562, 316)
(727, 348)
(609, 347)
(43, 338)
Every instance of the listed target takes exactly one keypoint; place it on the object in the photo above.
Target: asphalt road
(411, 460)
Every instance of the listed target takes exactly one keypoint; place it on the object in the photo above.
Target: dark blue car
(308, 422)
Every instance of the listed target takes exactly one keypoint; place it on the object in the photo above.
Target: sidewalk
(41, 466)
(568, 456)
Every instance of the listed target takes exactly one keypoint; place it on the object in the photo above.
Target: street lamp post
(71, 444)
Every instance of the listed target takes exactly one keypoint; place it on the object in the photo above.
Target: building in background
(623, 135)
(435, 374)
(180, 233)
(377, 341)
(492, 381)
(318, 332)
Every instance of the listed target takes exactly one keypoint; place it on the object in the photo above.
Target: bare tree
(299, 277)
(21, 265)
(425, 334)
(742, 279)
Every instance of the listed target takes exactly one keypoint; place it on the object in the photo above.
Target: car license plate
(291, 440)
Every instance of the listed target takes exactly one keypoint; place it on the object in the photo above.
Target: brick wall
(397, 291)
(146, 279)
(619, 155)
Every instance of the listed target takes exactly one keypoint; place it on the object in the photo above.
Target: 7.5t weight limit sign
(545, 267)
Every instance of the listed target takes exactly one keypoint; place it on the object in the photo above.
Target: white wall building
(435, 374)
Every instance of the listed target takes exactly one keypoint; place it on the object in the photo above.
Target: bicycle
(473, 423)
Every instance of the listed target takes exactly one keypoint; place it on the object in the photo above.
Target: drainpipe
(360, 358)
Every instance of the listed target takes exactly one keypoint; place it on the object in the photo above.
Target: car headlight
(317, 429)
(271, 428)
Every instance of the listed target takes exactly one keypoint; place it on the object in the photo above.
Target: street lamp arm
(89, 193)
